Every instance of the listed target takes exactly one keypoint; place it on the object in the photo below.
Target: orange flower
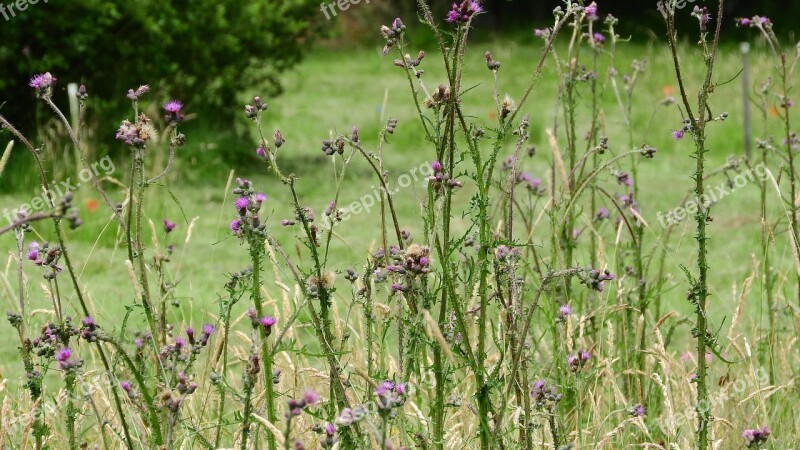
(773, 111)
(91, 205)
(667, 90)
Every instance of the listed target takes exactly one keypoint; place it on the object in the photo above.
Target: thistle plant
(697, 120)
(775, 100)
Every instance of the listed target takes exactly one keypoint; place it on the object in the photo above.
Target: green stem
(266, 357)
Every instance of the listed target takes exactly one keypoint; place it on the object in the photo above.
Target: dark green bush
(201, 51)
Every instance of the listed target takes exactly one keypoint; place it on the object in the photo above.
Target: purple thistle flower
(564, 311)
(591, 11)
(88, 322)
(173, 106)
(168, 226)
(453, 15)
(599, 38)
(208, 329)
(33, 251)
(241, 203)
(42, 81)
(310, 397)
(190, 334)
(677, 135)
(138, 343)
(126, 386)
(743, 22)
(259, 197)
(236, 225)
(463, 12)
(602, 214)
(63, 354)
(261, 152)
(638, 411)
(173, 109)
(330, 429)
(384, 388)
(436, 166)
(179, 343)
(541, 32)
(755, 437)
(573, 362)
(267, 322)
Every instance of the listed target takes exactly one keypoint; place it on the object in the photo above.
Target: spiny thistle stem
(699, 289)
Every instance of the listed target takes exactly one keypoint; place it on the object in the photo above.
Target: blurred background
(213, 54)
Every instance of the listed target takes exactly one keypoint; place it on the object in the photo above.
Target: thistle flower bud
(82, 94)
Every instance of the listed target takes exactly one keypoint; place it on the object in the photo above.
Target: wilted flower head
(596, 278)
(624, 178)
(702, 15)
(507, 106)
(136, 134)
(491, 63)
(139, 92)
(505, 254)
(349, 416)
(542, 392)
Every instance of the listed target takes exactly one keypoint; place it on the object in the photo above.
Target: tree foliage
(202, 50)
